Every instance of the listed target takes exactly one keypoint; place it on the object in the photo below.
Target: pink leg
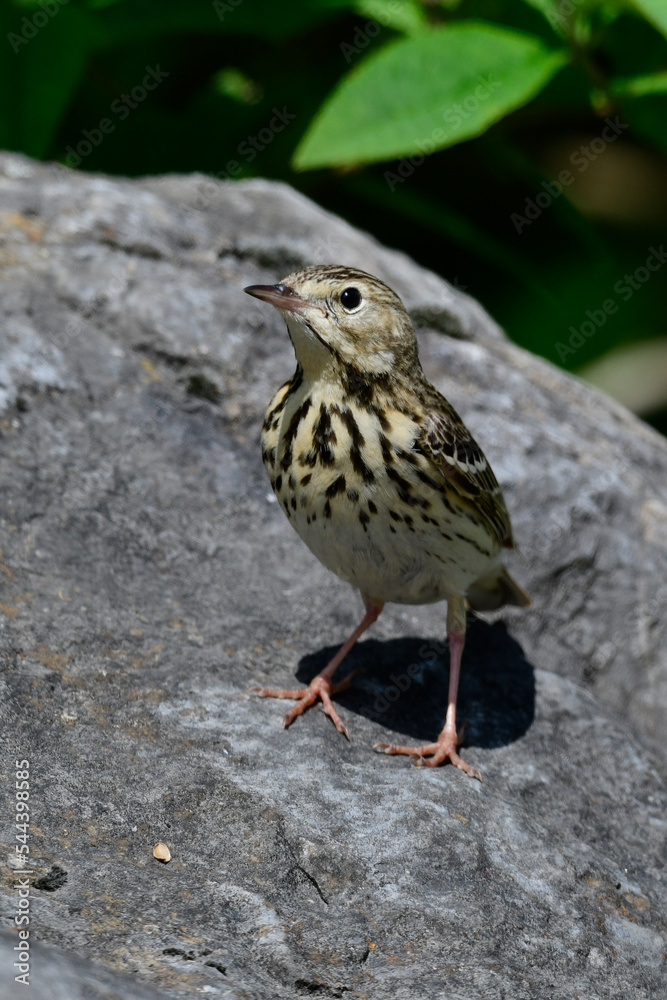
(321, 686)
(446, 745)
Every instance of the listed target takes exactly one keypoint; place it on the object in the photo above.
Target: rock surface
(148, 580)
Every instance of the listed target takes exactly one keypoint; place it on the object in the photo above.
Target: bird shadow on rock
(402, 685)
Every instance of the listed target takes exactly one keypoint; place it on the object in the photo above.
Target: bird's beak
(281, 296)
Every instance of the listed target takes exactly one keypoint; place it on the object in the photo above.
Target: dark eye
(350, 298)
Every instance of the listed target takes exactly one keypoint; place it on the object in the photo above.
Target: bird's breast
(366, 502)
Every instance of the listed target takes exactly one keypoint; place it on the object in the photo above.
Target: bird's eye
(350, 299)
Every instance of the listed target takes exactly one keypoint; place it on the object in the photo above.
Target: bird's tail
(495, 590)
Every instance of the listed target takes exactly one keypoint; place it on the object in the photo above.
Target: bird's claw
(320, 687)
(437, 753)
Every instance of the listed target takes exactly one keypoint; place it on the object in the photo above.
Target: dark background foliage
(236, 88)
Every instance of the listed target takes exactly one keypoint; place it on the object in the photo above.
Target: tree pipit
(379, 475)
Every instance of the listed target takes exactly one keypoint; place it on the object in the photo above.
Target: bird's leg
(321, 686)
(446, 745)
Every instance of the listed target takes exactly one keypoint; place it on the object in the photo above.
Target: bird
(380, 477)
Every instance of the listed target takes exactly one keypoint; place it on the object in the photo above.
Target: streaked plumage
(373, 467)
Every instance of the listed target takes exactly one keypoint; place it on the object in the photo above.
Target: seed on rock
(162, 853)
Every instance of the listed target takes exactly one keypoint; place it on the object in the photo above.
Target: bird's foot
(445, 749)
(320, 687)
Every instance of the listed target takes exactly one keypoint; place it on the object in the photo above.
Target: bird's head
(342, 318)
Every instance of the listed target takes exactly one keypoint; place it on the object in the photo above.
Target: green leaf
(427, 92)
(232, 82)
(406, 17)
(575, 19)
(654, 11)
(640, 86)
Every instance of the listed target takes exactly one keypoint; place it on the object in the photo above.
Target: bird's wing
(447, 442)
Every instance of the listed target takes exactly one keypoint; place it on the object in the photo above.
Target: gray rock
(148, 580)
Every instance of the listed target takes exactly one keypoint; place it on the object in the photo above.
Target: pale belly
(405, 567)
(373, 522)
